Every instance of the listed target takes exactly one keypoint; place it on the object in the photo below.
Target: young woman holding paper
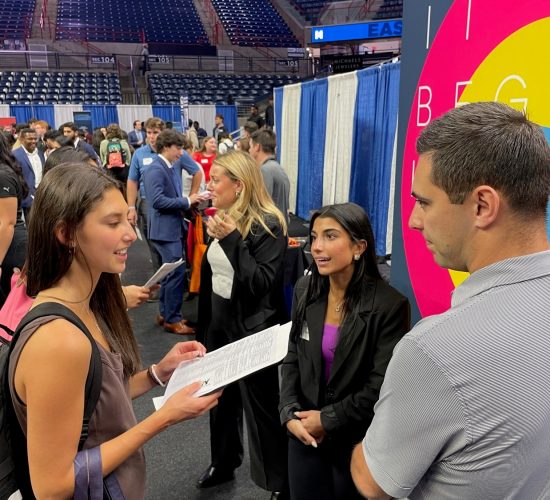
(77, 248)
(242, 293)
(345, 323)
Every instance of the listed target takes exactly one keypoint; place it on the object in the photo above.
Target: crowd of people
(361, 406)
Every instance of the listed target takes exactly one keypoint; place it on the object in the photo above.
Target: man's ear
(488, 204)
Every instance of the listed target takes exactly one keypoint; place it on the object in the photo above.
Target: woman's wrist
(155, 376)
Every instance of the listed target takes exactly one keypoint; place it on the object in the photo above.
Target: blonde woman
(242, 293)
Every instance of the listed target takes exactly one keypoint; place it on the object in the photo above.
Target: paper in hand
(230, 363)
(163, 271)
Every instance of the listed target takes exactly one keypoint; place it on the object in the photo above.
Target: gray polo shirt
(277, 184)
(464, 411)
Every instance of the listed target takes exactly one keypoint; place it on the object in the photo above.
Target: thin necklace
(338, 307)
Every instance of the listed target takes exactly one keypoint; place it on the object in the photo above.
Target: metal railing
(123, 63)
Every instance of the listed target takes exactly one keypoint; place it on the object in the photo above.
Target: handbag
(199, 248)
(16, 306)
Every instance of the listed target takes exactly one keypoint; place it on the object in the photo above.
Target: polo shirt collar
(504, 272)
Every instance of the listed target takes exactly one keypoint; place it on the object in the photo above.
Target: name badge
(305, 332)
(147, 161)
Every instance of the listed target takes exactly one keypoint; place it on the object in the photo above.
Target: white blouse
(222, 270)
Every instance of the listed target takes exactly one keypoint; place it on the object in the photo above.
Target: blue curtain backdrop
(167, 112)
(311, 154)
(229, 112)
(23, 112)
(102, 115)
(278, 94)
(373, 141)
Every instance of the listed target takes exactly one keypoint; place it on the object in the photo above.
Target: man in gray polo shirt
(464, 411)
(262, 149)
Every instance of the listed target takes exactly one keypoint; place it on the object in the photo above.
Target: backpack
(14, 465)
(116, 157)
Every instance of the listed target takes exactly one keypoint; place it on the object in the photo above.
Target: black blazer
(257, 296)
(347, 399)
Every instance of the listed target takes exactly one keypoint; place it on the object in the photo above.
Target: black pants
(142, 224)
(15, 257)
(258, 395)
(322, 473)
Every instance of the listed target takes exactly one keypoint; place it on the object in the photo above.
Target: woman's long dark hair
(65, 196)
(7, 158)
(356, 223)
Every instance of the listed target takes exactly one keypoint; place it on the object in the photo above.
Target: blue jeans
(173, 285)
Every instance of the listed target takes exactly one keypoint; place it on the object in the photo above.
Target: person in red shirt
(206, 155)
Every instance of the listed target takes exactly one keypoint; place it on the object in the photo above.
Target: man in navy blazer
(136, 138)
(163, 188)
(32, 161)
(69, 130)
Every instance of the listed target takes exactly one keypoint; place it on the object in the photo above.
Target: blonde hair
(253, 203)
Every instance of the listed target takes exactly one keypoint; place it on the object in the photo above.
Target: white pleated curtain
(342, 90)
(64, 113)
(205, 114)
(4, 110)
(128, 113)
(289, 140)
(389, 230)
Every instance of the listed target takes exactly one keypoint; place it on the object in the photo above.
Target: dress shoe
(159, 320)
(179, 328)
(214, 476)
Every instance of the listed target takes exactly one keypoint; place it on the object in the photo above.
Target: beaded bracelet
(154, 377)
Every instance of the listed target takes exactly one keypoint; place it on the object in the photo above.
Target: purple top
(328, 346)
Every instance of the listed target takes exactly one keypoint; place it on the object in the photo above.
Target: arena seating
(213, 89)
(254, 24)
(29, 87)
(16, 19)
(310, 9)
(172, 21)
(390, 9)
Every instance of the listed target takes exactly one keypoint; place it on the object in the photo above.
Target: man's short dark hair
(70, 125)
(26, 131)
(250, 127)
(51, 134)
(489, 143)
(169, 125)
(136, 121)
(169, 137)
(266, 139)
(220, 116)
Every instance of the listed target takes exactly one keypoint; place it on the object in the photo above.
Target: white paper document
(162, 271)
(231, 362)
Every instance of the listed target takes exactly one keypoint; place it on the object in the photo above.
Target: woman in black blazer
(346, 322)
(241, 293)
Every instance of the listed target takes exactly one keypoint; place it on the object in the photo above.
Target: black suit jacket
(257, 297)
(347, 399)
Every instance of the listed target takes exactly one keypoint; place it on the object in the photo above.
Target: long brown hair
(65, 196)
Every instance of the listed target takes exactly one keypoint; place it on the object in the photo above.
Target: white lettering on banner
(457, 90)
(318, 34)
(428, 26)
(516, 78)
(468, 19)
(425, 105)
